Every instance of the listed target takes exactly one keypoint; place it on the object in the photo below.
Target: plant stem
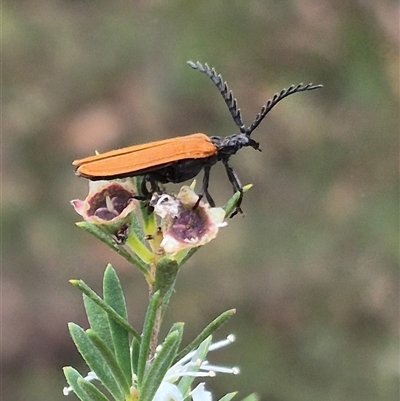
(156, 332)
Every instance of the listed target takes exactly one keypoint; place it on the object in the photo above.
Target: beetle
(182, 158)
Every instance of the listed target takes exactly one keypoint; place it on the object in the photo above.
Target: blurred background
(312, 268)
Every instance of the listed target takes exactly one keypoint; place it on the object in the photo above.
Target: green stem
(139, 248)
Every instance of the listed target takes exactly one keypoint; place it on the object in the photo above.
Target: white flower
(192, 365)
(89, 377)
(108, 202)
(201, 394)
(186, 224)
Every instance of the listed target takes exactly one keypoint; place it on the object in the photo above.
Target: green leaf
(136, 227)
(147, 333)
(198, 357)
(160, 365)
(185, 254)
(228, 397)
(135, 348)
(72, 377)
(103, 305)
(110, 359)
(114, 297)
(251, 397)
(92, 391)
(98, 320)
(206, 332)
(166, 272)
(108, 239)
(95, 361)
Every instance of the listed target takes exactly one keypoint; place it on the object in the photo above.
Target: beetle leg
(146, 194)
(237, 187)
(210, 200)
(206, 180)
(204, 189)
(143, 187)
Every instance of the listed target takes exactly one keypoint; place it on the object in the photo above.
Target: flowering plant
(157, 237)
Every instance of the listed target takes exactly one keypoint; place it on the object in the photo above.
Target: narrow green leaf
(110, 359)
(198, 357)
(135, 348)
(160, 365)
(114, 297)
(251, 397)
(95, 361)
(166, 273)
(136, 226)
(103, 305)
(232, 202)
(92, 391)
(98, 320)
(206, 332)
(147, 333)
(108, 239)
(228, 397)
(72, 377)
(185, 254)
(175, 327)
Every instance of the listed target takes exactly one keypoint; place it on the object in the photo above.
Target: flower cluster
(185, 222)
(157, 236)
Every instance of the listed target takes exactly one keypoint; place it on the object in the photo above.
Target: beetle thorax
(229, 145)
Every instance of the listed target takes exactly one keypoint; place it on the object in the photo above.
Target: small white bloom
(194, 366)
(186, 224)
(168, 391)
(201, 394)
(89, 377)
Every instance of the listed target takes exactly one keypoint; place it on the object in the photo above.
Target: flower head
(186, 224)
(108, 202)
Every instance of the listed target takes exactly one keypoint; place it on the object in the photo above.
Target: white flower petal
(89, 377)
(201, 394)
(168, 391)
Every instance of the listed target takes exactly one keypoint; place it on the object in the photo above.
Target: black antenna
(225, 92)
(277, 98)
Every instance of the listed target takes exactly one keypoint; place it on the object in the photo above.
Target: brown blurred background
(312, 268)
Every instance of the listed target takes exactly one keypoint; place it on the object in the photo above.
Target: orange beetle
(182, 158)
